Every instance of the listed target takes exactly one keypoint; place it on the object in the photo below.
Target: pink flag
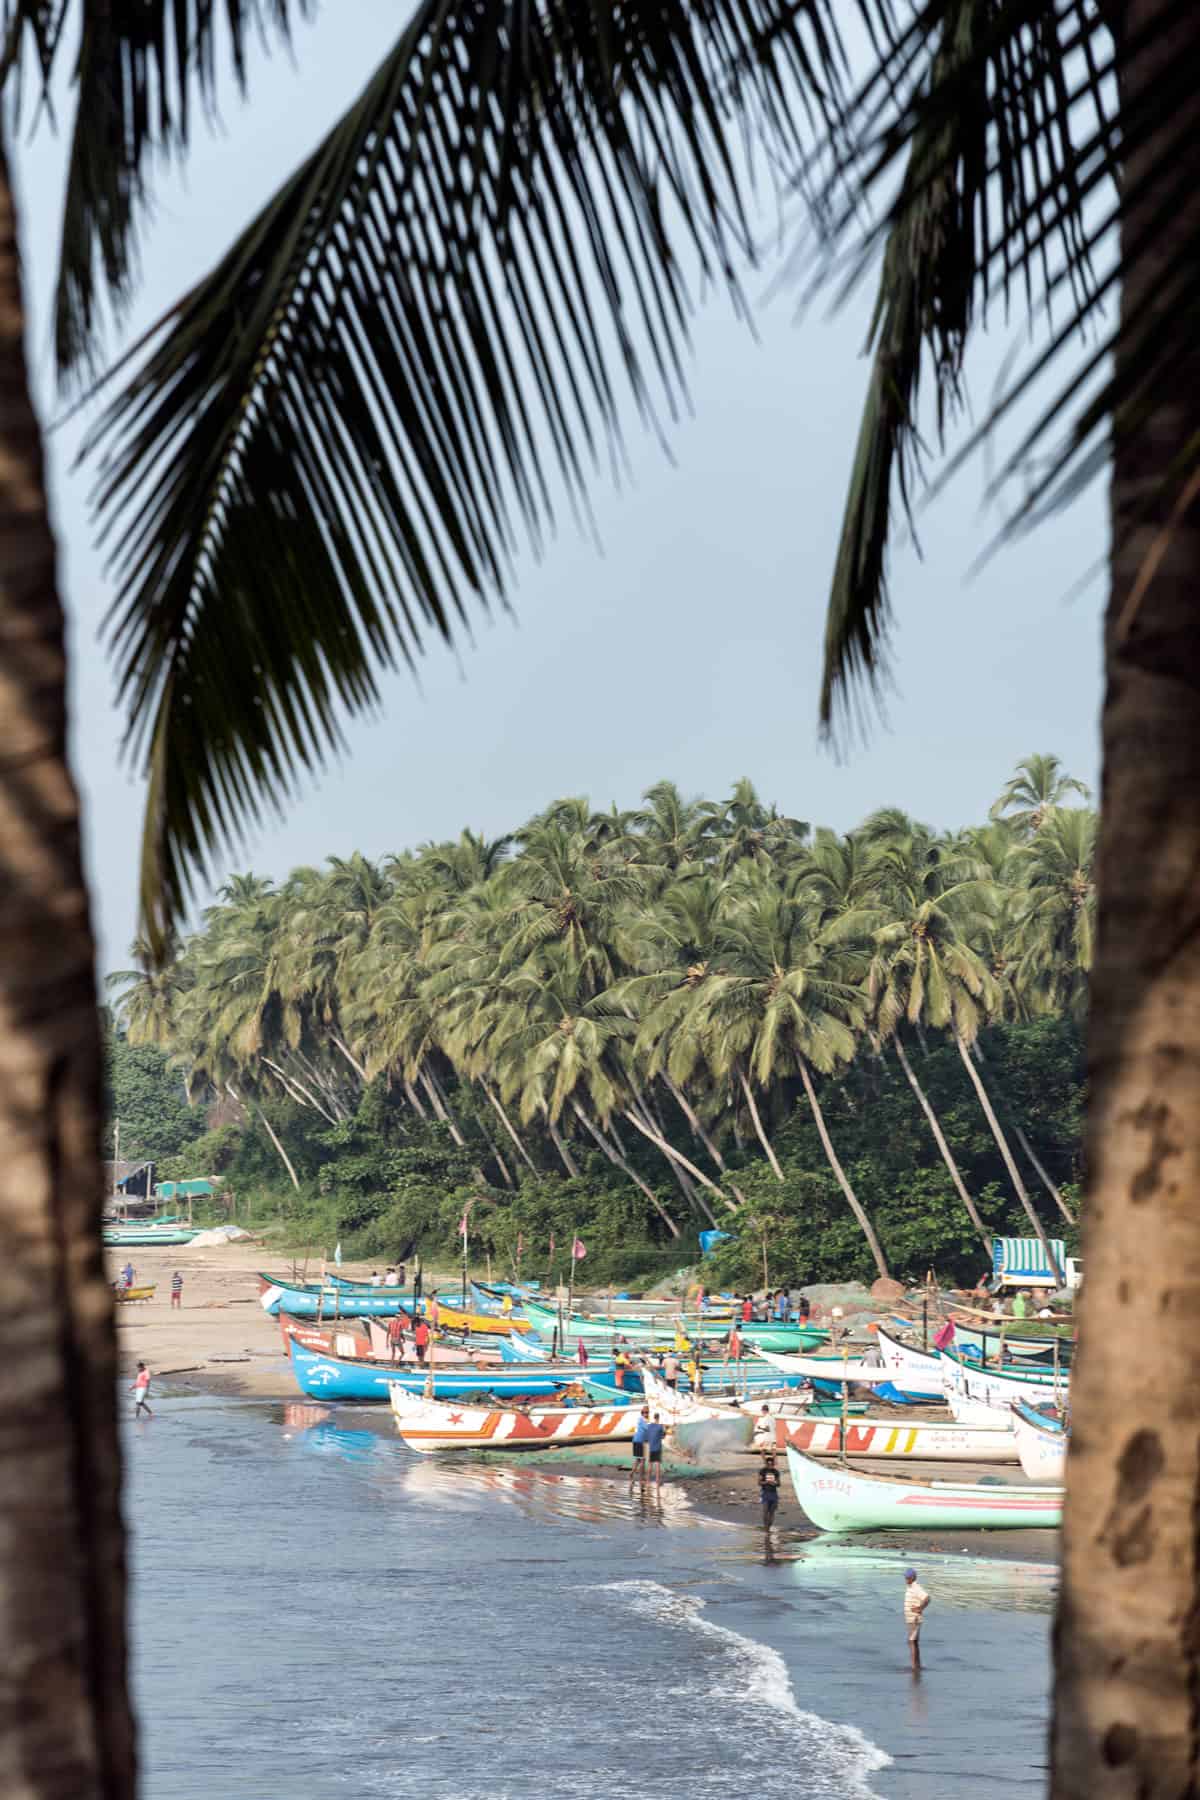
(578, 1250)
(945, 1336)
(462, 1226)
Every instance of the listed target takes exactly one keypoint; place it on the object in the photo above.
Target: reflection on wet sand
(546, 1493)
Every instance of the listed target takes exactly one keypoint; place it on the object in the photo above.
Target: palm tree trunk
(694, 1120)
(350, 1058)
(1014, 1174)
(940, 1139)
(568, 1161)
(67, 1727)
(1050, 1187)
(657, 1136)
(440, 1108)
(1125, 1643)
(266, 1125)
(763, 1139)
(295, 1090)
(508, 1126)
(852, 1199)
(669, 1150)
(494, 1152)
(414, 1100)
(619, 1162)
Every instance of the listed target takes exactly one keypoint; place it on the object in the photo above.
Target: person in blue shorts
(656, 1431)
(639, 1445)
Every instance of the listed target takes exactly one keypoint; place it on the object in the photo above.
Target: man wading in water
(915, 1602)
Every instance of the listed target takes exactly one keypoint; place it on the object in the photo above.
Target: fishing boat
(916, 1371)
(368, 1340)
(453, 1318)
(838, 1498)
(354, 1378)
(966, 1411)
(429, 1425)
(124, 1295)
(312, 1301)
(924, 1440)
(148, 1237)
(999, 1387)
(545, 1320)
(677, 1403)
(843, 1370)
(1041, 1442)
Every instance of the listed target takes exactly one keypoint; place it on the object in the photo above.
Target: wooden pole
(845, 1402)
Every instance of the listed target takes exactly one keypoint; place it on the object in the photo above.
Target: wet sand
(220, 1341)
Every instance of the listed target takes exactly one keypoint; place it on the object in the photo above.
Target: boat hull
(335, 1378)
(427, 1425)
(842, 1499)
(1041, 1444)
(930, 1441)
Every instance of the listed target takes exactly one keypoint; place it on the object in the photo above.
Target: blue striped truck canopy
(1023, 1260)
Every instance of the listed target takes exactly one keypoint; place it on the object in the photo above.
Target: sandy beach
(221, 1341)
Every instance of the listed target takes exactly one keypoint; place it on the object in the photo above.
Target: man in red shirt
(421, 1339)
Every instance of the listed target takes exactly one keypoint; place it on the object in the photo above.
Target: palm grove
(640, 1024)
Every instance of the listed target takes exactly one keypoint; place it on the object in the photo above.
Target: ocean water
(319, 1611)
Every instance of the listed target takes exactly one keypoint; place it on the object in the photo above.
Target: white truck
(1021, 1263)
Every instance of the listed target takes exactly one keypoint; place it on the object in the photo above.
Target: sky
(688, 648)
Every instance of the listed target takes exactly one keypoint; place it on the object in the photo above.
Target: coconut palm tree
(1038, 787)
(1054, 926)
(776, 1006)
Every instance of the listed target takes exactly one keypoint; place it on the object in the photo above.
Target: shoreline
(220, 1342)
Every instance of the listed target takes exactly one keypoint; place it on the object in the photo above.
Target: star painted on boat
(456, 1418)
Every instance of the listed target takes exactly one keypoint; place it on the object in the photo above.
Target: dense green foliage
(636, 1026)
(148, 1097)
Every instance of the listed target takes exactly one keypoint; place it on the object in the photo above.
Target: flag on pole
(552, 1243)
(337, 1254)
(578, 1250)
(462, 1226)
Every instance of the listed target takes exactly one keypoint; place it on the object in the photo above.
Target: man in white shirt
(391, 1279)
(915, 1602)
(376, 1278)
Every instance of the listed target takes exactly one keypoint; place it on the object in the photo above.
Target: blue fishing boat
(311, 1301)
(344, 1378)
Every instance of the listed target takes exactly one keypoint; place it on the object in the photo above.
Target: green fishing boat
(545, 1320)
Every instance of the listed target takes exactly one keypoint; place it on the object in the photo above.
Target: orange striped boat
(445, 1425)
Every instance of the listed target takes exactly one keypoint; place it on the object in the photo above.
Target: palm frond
(330, 447)
(141, 74)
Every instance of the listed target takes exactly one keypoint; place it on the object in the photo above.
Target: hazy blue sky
(690, 649)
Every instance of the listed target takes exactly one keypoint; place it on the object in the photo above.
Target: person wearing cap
(915, 1602)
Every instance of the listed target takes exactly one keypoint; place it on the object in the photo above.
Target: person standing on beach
(695, 1373)
(670, 1370)
(140, 1389)
(764, 1431)
(768, 1490)
(639, 1445)
(915, 1602)
(127, 1275)
(747, 1309)
(177, 1289)
(733, 1349)
(395, 1334)
(656, 1431)
(421, 1340)
(581, 1353)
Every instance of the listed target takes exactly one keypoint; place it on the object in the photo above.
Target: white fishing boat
(1041, 1442)
(428, 1425)
(836, 1498)
(676, 1405)
(999, 1387)
(924, 1440)
(914, 1371)
(965, 1411)
(838, 1369)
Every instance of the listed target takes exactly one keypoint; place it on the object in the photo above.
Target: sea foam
(752, 1678)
